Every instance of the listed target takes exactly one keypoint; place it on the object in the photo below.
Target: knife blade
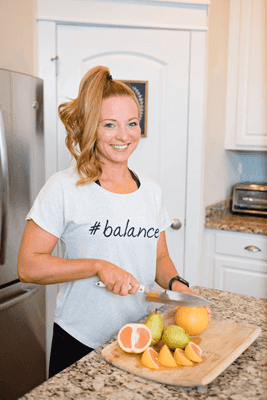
(169, 297)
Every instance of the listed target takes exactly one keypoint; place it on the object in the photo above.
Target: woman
(111, 223)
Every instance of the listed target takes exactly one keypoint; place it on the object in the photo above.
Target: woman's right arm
(37, 265)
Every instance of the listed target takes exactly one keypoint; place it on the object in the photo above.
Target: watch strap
(179, 279)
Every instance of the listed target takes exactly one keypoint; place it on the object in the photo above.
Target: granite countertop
(219, 216)
(93, 378)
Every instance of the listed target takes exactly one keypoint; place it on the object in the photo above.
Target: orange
(181, 359)
(166, 358)
(150, 358)
(193, 352)
(134, 338)
(194, 320)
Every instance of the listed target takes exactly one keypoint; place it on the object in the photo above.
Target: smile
(120, 147)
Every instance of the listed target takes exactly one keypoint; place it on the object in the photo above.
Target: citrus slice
(166, 358)
(150, 358)
(193, 352)
(134, 338)
(181, 359)
(194, 320)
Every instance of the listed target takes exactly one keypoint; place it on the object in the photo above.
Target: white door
(160, 57)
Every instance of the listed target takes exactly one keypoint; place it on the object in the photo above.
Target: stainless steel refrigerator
(22, 174)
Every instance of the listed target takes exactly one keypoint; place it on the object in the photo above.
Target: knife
(169, 297)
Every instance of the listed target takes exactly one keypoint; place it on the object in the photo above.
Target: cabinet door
(160, 57)
(246, 120)
(244, 277)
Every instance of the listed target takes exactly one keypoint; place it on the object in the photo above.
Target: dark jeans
(65, 350)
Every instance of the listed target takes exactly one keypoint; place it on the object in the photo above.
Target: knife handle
(102, 285)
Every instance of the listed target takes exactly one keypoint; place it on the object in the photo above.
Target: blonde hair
(81, 117)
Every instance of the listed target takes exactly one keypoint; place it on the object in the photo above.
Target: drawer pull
(254, 249)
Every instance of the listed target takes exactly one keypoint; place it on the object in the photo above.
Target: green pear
(155, 324)
(175, 337)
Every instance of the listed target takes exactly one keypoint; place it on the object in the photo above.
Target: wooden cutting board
(221, 343)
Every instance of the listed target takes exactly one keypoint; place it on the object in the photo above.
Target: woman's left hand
(184, 289)
(209, 312)
(166, 270)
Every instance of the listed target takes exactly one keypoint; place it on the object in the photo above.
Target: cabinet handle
(254, 249)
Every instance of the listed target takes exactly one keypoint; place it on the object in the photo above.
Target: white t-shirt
(92, 222)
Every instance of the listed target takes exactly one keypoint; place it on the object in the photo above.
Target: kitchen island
(93, 378)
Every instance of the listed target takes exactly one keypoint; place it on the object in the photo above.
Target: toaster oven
(250, 198)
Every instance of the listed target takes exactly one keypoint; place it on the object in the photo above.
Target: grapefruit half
(134, 338)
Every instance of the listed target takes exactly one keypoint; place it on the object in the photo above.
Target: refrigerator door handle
(5, 190)
(17, 298)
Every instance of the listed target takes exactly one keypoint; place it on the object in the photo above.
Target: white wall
(223, 168)
(220, 167)
(19, 52)
(18, 36)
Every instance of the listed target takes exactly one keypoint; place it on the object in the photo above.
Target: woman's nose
(122, 133)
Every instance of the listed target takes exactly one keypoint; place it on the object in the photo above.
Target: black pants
(65, 350)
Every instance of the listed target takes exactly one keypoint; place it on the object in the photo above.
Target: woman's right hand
(116, 279)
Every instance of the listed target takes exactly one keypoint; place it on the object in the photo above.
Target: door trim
(160, 14)
(195, 210)
(119, 24)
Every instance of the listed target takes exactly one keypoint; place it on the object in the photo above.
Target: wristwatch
(177, 278)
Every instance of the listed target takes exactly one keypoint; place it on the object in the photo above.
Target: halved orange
(193, 352)
(150, 358)
(134, 338)
(181, 359)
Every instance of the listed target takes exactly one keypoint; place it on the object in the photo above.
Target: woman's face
(118, 131)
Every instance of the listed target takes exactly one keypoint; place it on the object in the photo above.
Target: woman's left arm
(166, 270)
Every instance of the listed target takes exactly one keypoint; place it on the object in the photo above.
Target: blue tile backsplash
(252, 167)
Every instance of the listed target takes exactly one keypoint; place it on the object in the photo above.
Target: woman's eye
(133, 124)
(110, 125)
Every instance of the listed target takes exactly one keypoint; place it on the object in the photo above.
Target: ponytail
(81, 117)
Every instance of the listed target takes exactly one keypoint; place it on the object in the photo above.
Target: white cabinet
(240, 276)
(246, 108)
(236, 262)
